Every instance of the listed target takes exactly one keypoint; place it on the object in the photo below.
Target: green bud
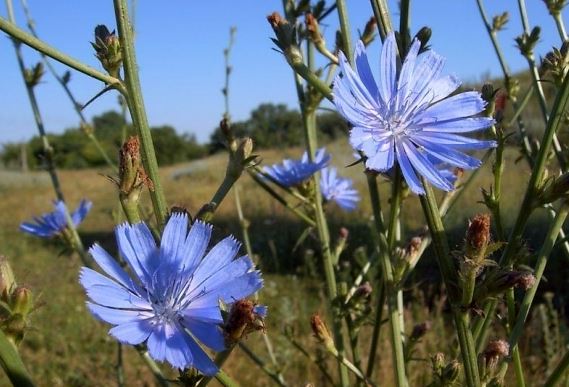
(21, 301)
(108, 50)
(499, 22)
(451, 372)
(14, 328)
(526, 43)
(424, 35)
(555, 6)
(556, 64)
(33, 76)
(552, 189)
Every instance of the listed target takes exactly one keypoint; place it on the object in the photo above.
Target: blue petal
(388, 68)
(443, 87)
(355, 84)
(157, 342)
(111, 267)
(261, 310)
(173, 238)
(210, 314)
(408, 172)
(117, 316)
(201, 361)
(107, 292)
(207, 333)
(235, 289)
(425, 167)
(195, 245)
(37, 230)
(364, 71)
(383, 159)
(81, 212)
(455, 141)
(405, 82)
(219, 256)
(132, 333)
(461, 125)
(448, 154)
(138, 248)
(460, 105)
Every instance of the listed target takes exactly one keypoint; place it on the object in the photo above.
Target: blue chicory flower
(338, 189)
(172, 299)
(293, 172)
(52, 223)
(409, 114)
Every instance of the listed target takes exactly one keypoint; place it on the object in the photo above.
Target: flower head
(409, 114)
(53, 223)
(172, 299)
(338, 189)
(294, 172)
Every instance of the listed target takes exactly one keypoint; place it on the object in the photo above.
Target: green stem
(542, 258)
(345, 28)
(29, 40)
(225, 379)
(381, 13)
(558, 372)
(404, 31)
(276, 376)
(560, 26)
(151, 364)
(133, 96)
(448, 272)
(12, 363)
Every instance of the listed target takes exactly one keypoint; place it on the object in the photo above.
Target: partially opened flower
(409, 114)
(171, 301)
(338, 189)
(53, 223)
(294, 172)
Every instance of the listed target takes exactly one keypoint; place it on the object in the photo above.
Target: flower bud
(7, 280)
(450, 373)
(321, 332)
(556, 64)
(476, 244)
(495, 350)
(501, 280)
(14, 327)
(108, 50)
(526, 43)
(555, 6)
(438, 360)
(33, 76)
(244, 317)
(420, 330)
(21, 301)
(499, 22)
(423, 36)
(369, 31)
(363, 291)
(313, 29)
(132, 176)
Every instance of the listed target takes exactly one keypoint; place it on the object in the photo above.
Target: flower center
(164, 311)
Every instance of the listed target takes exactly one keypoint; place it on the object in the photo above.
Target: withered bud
(526, 280)
(501, 280)
(451, 372)
(458, 172)
(344, 233)
(438, 360)
(225, 127)
(413, 246)
(555, 6)
(132, 176)
(276, 20)
(369, 31)
(108, 50)
(321, 331)
(478, 235)
(244, 317)
(500, 105)
(420, 330)
(313, 29)
(496, 350)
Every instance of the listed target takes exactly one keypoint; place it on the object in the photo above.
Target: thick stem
(381, 13)
(133, 96)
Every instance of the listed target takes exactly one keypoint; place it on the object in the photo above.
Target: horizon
(176, 91)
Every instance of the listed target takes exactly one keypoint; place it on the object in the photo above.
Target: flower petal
(364, 71)
(407, 169)
(460, 105)
(138, 248)
(116, 316)
(173, 238)
(81, 212)
(388, 68)
(207, 333)
(133, 333)
(423, 166)
(111, 267)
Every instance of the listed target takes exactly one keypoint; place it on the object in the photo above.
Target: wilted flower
(294, 172)
(175, 290)
(338, 189)
(496, 350)
(53, 223)
(408, 115)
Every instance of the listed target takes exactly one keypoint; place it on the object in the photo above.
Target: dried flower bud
(321, 332)
(500, 105)
(132, 177)
(556, 64)
(363, 291)
(244, 317)
(33, 76)
(412, 248)
(552, 189)
(450, 373)
(313, 29)
(496, 350)
(438, 360)
(420, 330)
(499, 22)
(108, 50)
(501, 280)
(478, 233)
(369, 31)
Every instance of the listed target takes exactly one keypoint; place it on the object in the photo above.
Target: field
(67, 347)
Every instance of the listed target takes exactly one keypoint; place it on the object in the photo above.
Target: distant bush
(73, 149)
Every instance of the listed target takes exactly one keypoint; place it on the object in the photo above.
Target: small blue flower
(338, 189)
(293, 172)
(409, 114)
(172, 299)
(53, 223)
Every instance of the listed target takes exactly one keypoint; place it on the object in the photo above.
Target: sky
(180, 54)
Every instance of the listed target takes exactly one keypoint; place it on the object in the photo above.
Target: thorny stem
(133, 96)
(448, 271)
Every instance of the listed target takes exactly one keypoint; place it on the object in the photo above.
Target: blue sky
(179, 48)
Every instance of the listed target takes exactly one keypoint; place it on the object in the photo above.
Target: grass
(65, 346)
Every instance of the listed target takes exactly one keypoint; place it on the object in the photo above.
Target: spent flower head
(338, 189)
(172, 299)
(409, 116)
(294, 172)
(54, 223)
